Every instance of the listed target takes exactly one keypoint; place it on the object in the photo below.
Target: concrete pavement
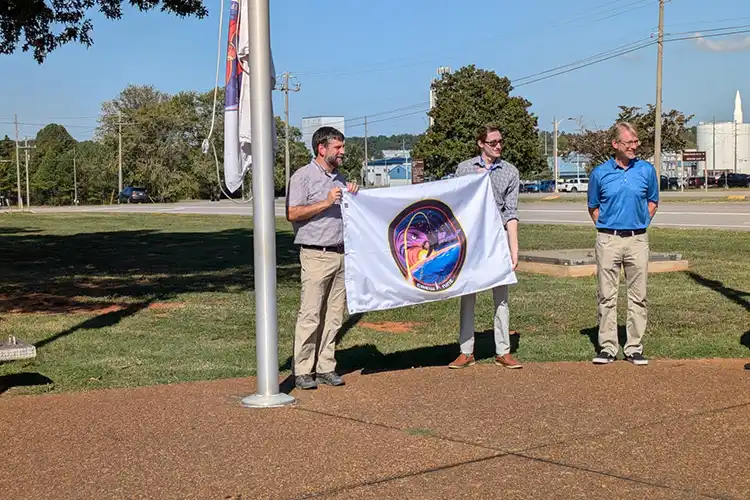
(727, 215)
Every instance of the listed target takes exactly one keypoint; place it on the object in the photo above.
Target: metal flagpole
(264, 234)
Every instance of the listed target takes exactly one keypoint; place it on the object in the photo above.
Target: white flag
(237, 127)
(421, 243)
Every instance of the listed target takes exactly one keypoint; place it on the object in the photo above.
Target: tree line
(162, 137)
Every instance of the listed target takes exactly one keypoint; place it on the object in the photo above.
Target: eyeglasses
(493, 144)
(630, 143)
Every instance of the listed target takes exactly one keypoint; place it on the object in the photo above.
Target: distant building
(572, 166)
(312, 123)
(400, 175)
(396, 153)
(727, 144)
(394, 171)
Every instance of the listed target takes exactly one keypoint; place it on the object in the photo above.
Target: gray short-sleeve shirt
(309, 185)
(504, 178)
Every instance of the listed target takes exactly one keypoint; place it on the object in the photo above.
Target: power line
(595, 11)
(616, 51)
(621, 53)
(370, 122)
(567, 68)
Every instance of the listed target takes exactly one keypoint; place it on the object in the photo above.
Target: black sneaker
(637, 359)
(305, 382)
(330, 378)
(603, 358)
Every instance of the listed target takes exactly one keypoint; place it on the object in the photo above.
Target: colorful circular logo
(428, 245)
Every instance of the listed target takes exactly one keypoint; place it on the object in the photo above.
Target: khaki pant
(321, 310)
(632, 254)
(501, 327)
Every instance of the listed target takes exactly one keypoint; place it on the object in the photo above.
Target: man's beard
(334, 161)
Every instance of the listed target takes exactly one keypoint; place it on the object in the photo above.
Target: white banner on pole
(421, 243)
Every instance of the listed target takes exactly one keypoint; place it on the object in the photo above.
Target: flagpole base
(268, 401)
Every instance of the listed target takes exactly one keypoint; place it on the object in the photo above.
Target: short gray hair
(619, 127)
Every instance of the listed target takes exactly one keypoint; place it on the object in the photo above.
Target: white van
(575, 185)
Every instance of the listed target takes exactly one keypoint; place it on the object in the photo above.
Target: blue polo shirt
(622, 194)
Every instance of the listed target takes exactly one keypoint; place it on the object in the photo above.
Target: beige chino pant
(613, 253)
(321, 311)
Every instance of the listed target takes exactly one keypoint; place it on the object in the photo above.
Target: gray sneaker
(305, 382)
(330, 378)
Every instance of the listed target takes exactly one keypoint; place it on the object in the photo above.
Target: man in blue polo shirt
(623, 196)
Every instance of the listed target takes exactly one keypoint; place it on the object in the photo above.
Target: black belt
(622, 232)
(337, 248)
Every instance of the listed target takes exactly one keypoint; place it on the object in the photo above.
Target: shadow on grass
(24, 379)
(63, 273)
(102, 321)
(368, 359)
(736, 296)
(593, 334)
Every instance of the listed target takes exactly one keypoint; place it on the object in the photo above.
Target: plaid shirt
(504, 179)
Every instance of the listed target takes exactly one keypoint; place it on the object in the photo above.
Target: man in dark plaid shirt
(504, 180)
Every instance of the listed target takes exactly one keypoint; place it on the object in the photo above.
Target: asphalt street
(717, 215)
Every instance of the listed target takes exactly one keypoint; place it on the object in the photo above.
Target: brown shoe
(507, 361)
(462, 361)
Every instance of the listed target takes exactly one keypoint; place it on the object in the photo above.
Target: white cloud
(734, 44)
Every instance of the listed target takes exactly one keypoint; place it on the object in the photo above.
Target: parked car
(667, 183)
(733, 180)
(131, 194)
(547, 186)
(574, 185)
(529, 187)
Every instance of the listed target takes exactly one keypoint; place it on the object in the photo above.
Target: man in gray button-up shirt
(504, 180)
(314, 210)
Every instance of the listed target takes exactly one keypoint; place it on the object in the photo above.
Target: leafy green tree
(466, 100)
(376, 144)
(46, 25)
(7, 167)
(299, 156)
(51, 168)
(674, 134)
(354, 159)
(96, 172)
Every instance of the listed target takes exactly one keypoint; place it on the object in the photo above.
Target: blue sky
(360, 57)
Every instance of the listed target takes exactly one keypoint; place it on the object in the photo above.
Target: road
(728, 215)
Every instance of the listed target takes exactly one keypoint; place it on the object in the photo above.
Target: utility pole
(366, 157)
(75, 179)
(18, 164)
(120, 123)
(555, 123)
(26, 148)
(713, 158)
(657, 124)
(285, 89)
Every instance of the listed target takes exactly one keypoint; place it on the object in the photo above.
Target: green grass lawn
(124, 300)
